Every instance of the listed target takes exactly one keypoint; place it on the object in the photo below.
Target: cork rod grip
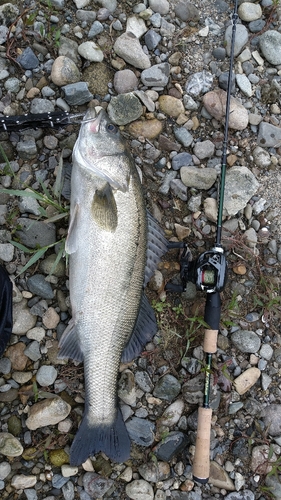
(201, 462)
(210, 341)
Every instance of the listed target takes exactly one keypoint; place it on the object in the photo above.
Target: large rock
(215, 104)
(240, 186)
(47, 412)
(270, 45)
(269, 135)
(129, 48)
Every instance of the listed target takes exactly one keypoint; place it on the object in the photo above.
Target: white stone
(90, 51)
(36, 333)
(21, 481)
(68, 471)
(136, 25)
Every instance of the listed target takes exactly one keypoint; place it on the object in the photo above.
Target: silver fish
(114, 247)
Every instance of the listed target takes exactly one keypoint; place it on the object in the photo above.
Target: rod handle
(210, 341)
(201, 462)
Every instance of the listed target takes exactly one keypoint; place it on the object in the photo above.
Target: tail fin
(113, 440)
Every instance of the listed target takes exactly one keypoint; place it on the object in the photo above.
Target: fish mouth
(94, 119)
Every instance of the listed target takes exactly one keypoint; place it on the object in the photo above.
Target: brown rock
(165, 144)
(215, 104)
(240, 269)
(51, 318)
(16, 355)
(171, 105)
(149, 129)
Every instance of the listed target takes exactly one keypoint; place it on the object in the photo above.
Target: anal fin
(69, 346)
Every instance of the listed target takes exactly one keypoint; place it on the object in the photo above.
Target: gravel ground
(164, 86)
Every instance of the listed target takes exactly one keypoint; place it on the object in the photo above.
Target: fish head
(102, 151)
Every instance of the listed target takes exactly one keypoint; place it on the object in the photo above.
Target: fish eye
(111, 128)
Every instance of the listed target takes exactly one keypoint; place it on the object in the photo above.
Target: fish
(114, 247)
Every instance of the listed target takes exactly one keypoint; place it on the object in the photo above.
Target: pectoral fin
(104, 209)
(71, 240)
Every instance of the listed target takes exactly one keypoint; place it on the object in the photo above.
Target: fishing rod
(209, 273)
(51, 119)
(214, 267)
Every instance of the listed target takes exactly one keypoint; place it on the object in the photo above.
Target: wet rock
(95, 485)
(127, 388)
(172, 414)
(27, 59)
(47, 412)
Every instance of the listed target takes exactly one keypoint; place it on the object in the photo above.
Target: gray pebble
(141, 431)
(39, 286)
(58, 481)
(144, 381)
(30, 494)
(68, 491)
(246, 341)
(33, 351)
(156, 76)
(167, 388)
(28, 59)
(77, 94)
(180, 160)
(183, 136)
